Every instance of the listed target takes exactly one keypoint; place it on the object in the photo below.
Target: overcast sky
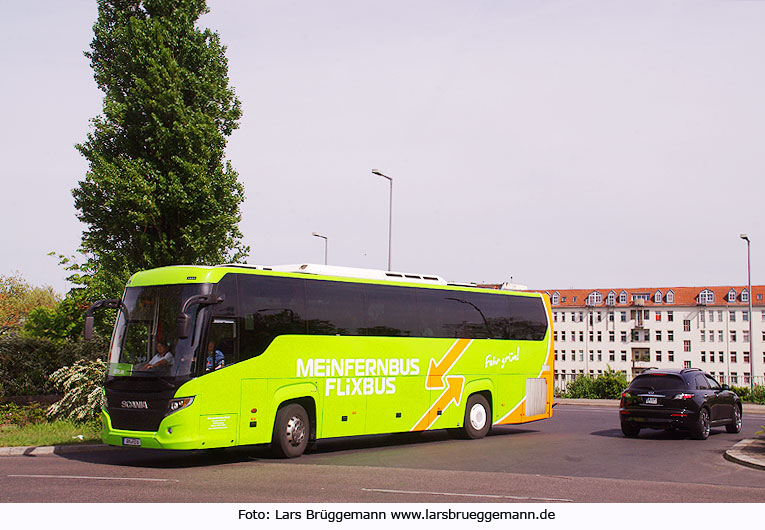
(561, 143)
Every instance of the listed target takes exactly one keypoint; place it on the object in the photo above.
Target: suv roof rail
(690, 370)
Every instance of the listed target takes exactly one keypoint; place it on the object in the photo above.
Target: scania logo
(135, 405)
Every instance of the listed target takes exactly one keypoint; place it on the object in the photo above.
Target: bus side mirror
(88, 327)
(184, 326)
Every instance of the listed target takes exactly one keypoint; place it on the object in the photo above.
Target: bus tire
(477, 417)
(291, 431)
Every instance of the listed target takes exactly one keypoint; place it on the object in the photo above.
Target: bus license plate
(135, 442)
(651, 401)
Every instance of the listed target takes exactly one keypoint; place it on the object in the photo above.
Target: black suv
(687, 399)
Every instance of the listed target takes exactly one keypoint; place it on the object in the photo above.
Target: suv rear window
(657, 382)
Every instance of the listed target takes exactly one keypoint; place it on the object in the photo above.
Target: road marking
(97, 478)
(479, 495)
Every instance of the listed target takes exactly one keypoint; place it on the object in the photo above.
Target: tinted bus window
(528, 318)
(391, 311)
(269, 307)
(334, 308)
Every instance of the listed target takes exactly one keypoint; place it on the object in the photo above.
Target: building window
(555, 336)
(611, 355)
(733, 357)
(731, 296)
(706, 297)
(562, 335)
(592, 336)
(562, 299)
(720, 315)
(592, 356)
(711, 336)
(686, 325)
(733, 336)
(595, 298)
(610, 316)
(670, 316)
(563, 355)
(600, 316)
(658, 356)
(623, 298)
(711, 357)
(556, 298)
(702, 316)
(658, 335)
(624, 355)
(686, 364)
(686, 345)
(563, 316)
(581, 316)
(746, 357)
(611, 336)
(720, 336)
(745, 296)
(671, 356)
(658, 316)
(624, 336)
(721, 356)
(734, 378)
(657, 297)
(600, 336)
(745, 316)
(703, 356)
(581, 336)
(600, 355)
(703, 336)
(732, 316)
(670, 298)
(670, 335)
(573, 300)
(745, 335)
(611, 298)
(624, 316)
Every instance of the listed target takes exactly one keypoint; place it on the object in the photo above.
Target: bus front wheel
(477, 417)
(291, 431)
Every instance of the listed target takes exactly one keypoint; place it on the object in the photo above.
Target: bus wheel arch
(478, 415)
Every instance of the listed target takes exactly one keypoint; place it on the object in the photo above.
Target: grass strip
(58, 432)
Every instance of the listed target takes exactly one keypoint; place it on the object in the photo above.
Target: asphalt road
(579, 455)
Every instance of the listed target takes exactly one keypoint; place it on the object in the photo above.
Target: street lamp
(751, 316)
(390, 212)
(326, 244)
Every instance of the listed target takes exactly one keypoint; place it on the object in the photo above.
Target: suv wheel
(700, 431)
(735, 425)
(630, 430)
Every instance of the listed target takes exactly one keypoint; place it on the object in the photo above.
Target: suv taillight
(683, 395)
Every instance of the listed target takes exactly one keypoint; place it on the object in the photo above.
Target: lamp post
(751, 316)
(390, 212)
(326, 244)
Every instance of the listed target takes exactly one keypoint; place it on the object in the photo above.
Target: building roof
(682, 296)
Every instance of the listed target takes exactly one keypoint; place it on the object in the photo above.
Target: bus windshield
(145, 341)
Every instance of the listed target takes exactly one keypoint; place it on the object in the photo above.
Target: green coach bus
(210, 357)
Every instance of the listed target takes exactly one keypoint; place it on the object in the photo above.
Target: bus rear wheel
(477, 417)
(291, 431)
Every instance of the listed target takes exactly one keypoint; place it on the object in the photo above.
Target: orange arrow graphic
(437, 371)
(452, 394)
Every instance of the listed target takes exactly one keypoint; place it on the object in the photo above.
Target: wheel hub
(295, 431)
(477, 417)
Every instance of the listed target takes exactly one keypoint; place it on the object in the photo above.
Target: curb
(750, 408)
(742, 453)
(52, 449)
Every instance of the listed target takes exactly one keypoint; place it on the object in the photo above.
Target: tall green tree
(158, 191)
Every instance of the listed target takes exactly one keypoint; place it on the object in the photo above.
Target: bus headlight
(179, 403)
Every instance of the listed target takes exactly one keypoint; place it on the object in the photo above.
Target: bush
(26, 363)
(581, 387)
(21, 415)
(759, 394)
(744, 392)
(609, 385)
(82, 385)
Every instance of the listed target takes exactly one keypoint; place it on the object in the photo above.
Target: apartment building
(666, 327)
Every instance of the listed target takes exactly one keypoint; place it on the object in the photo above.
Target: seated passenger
(219, 357)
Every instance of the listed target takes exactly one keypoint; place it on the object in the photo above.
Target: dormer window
(623, 297)
(745, 296)
(611, 298)
(670, 298)
(732, 296)
(657, 297)
(556, 298)
(595, 298)
(706, 297)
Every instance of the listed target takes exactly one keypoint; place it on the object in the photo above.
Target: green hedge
(608, 385)
(26, 364)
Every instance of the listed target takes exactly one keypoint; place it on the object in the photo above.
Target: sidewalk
(749, 452)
